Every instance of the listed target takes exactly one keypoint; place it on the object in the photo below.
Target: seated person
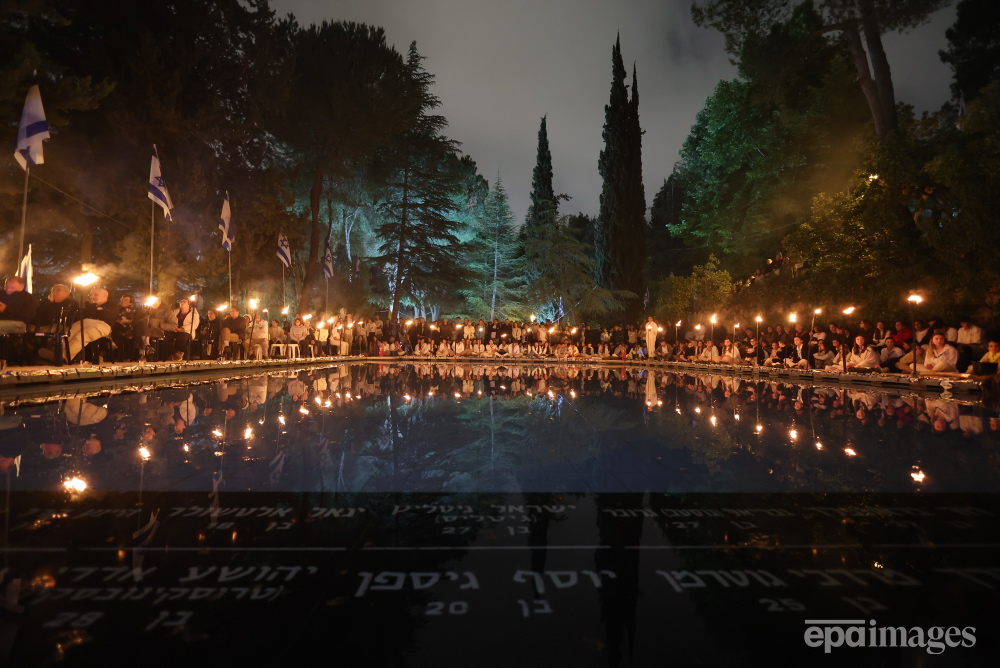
(393, 348)
(940, 357)
(17, 306)
(298, 333)
(276, 333)
(208, 333)
(258, 337)
(233, 330)
(57, 312)
(180, 327)
(728, 354)
(123, 330)
(777, 356)
(992, 355)
(971, 336)
(98, 317)
(710, 353)
(890, 354)
(754, 353)
(823, 356)
(861, 356)
(798, 354)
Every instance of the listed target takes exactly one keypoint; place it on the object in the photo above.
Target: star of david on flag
(157, 188)
(284, 251)
(31, 131)
(328, 262)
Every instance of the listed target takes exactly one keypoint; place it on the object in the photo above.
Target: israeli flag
(275, 467)
(157, 188)
(226, 225)
(32, 130)
(328, 262)
(284, 251)
(26, 271)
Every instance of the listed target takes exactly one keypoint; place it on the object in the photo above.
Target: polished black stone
(566, 516)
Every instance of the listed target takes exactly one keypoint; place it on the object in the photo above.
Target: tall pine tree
(420, 251)
(544, 206)
(620, 237)
(494, 259)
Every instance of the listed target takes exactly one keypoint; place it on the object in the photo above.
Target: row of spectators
(180, 330)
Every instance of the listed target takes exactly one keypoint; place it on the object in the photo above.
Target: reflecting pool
(441, 514)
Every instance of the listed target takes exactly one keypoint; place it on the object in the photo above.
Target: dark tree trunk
(315, 199)
(880, 65)
(398, 287)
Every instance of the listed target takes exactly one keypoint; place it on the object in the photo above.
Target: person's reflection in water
(619, 595)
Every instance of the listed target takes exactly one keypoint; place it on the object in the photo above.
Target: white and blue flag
(328, 261)
(284, 251)
(275, 467)
(226, 225)
(32, 130)
(26, 271)
(157, 188)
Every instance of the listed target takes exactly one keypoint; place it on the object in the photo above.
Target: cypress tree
(619, 240)
(543, 205)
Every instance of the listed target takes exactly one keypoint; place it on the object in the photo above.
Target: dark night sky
(501, 65)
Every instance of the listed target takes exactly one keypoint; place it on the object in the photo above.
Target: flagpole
(327, 303)
(152, 237)
(24, 215)
(229, 254)
(283, 302)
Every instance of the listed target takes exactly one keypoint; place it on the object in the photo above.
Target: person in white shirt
(861, 356)
(710, 353)
(468, 330)
(424, 348)
(940, 357)
(651, 330)
(890, 354)
(971, 335)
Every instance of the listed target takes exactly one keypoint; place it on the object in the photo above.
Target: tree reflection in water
(448, 428)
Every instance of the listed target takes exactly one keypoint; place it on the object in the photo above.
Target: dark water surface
(478, 515)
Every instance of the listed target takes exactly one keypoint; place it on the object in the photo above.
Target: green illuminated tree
(495, 259)
(420, 251)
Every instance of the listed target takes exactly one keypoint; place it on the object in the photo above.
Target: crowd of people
(185, 330)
